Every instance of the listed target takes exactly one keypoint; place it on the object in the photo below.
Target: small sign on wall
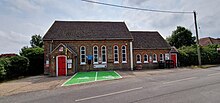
(167, 56)
(47, 63)
(69, 63)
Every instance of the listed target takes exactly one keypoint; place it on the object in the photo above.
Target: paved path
(188, 86)
(34, 83)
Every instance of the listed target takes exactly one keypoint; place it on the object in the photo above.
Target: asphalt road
(193, 86)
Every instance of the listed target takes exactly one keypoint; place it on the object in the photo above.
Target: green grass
(86, 77)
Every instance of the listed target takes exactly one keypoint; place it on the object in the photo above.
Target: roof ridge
(91, 21)
(143, 31)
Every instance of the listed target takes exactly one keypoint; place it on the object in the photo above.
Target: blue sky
(20, 19)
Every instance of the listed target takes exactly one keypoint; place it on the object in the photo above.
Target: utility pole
(197, 39)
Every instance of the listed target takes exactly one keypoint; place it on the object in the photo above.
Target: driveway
(42, 82)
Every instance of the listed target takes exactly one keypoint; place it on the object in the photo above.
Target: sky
(20, 19)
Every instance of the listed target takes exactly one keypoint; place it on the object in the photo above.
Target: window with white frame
(95, 55)
(124, 57)
(103, 54)
(146, 58)
(82, 55)
(161, 57)
(138, 57)
(155, 58)
(116, 54)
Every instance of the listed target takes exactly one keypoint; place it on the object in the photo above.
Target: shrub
(13, 67)
(17, 67)
(36, 58)
(188, 55)
(3, 64)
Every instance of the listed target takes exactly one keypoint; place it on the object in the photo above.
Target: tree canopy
(181, 37)
(36, 40)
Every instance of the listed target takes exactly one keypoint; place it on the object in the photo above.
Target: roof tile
(149, 40)
(87, 30)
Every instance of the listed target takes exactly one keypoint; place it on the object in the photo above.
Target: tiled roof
(149, 40)
(87, 30)
(208, 41)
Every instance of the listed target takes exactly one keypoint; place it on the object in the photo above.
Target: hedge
(188, 55)
(13, 67)
(36, 58)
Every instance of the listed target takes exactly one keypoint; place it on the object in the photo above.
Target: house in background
(72, 46)
(208, 41)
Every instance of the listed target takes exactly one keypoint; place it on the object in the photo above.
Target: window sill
(82, 63)
(95, 63)
(138, 62)
(154, 61)
(124, 62)
(104, 62)
(116, 62)
(146, 62)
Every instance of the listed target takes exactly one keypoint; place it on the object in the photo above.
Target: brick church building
(72, 46)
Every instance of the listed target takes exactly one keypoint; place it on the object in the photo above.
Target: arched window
(138, 57)
(95, 55)
(161, 57)
(155, 58)
(82, 55)
(103, 54)
(124, 57)
(116, 54)
(145, 58)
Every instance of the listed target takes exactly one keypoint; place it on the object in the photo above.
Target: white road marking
(108, 77)
(96, 74)
(108, 94)
(179, 80)
(83, 78)
(68, 80)
(213, 74)
(117, 74)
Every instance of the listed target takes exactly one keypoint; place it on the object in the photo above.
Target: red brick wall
(149, 52)
(75, 45)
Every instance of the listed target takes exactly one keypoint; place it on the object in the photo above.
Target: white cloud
(20, 19)
(12, 42)
(208, 14)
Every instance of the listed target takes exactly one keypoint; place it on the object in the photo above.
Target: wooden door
(61, 66)
(174, 58)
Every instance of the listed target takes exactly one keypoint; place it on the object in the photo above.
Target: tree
(181, 37)
(36, 40)
(35, 55)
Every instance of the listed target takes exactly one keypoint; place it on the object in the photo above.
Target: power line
(129, 7)
(160, 11)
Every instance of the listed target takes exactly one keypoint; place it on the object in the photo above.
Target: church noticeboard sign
(69, 63)
(89, 57)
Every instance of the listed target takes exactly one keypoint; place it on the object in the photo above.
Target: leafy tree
(181, 37)
(36, 40)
